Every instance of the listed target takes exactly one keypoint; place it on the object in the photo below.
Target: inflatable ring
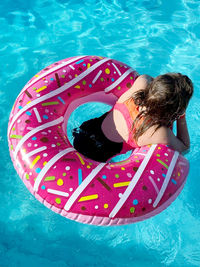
(64, 180)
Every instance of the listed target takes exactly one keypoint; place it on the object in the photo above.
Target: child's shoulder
(140, 83)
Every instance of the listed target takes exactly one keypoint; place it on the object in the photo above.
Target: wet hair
(165, 98)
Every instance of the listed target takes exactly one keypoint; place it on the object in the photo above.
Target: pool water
(153, 37)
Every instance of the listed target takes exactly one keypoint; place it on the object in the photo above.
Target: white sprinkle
(117, 69)
(45, 155)
(97, 76)
(37, 114)
(67, 168)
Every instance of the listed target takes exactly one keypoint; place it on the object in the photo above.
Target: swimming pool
(152, 36)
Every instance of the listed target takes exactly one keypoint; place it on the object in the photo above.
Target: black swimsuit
(90, 141)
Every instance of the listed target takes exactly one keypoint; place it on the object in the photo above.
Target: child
(142, 115)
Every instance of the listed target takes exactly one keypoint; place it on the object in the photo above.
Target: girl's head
(164, 99)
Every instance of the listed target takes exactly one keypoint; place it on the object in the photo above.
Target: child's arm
(164, 135)
(182, 132)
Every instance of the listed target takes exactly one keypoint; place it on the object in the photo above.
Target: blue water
(154, 37)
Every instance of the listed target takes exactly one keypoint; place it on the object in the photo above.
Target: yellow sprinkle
(36, 75)
(28, 102)
(88, 166)
(107, 71)
(88, 65)
(60, 182)
(34, 162)
(77, 86)
(76, 75)
(121, 184)
(105, 205)
(122, 168)
(41, 89)
(44, 163)
(88, 198)
(81, 160)
(179, 174)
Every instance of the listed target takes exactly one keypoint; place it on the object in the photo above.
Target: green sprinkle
(50, 178)
(58, 200)
(132, 209)
(15, 136)
(27, 176)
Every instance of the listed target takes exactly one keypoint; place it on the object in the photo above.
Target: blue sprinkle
(104, 176)
(45, 117)
(43, 187)
(20, 107)
(173, 181)
(28, 113)
(164, 175)
(52, 79)
(37, 170)
(61, 99)
(34, 138)
(112, 79)
(135, 202)
(90, 85)
(80, 178)
(84, 64)
(144, 150)
(80, 61)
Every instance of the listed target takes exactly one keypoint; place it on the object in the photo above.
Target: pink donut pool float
(64, 180)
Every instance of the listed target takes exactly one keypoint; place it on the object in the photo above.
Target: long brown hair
(164, 99)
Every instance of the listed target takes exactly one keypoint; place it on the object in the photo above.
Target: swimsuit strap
(125, 112)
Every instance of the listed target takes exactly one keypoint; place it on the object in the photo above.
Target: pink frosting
(64, 180)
